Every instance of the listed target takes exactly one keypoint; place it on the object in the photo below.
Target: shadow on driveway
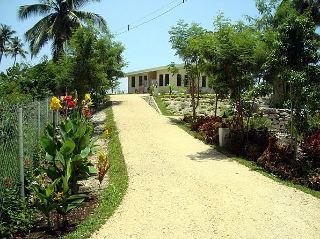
(210, 154)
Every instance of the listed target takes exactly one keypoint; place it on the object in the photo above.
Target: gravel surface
(181, 188)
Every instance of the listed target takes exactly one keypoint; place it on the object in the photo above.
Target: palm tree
(5, 37)
(309, 5)
(15, 49)
(61, 18)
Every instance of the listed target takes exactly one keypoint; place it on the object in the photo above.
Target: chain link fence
(21, 127)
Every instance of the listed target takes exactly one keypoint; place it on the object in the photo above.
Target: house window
(145, 78)
(179, 80)
(204, 81)
(161, 80)
(133, 81)
(166, 77)
(186, 81)
(140, 80)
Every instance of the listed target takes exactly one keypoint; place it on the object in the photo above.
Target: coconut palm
(61, 18)
(309, 5)
(5, 37)
(16, 48)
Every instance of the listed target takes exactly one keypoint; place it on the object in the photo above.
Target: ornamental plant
(103, 166)
(55, 104)
(67, 147)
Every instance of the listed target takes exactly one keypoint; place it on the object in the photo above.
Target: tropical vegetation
(275, 54)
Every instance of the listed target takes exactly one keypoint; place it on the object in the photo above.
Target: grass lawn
(162, 106)
(113, 194)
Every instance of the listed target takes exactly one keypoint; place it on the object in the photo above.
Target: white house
(160, 78)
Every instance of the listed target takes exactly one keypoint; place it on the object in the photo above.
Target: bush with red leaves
(311, 149)
(210, 130)
(236, 142)
(314, 179)
(279, 160)
(257, 142)
(195, 126)
(187, 118)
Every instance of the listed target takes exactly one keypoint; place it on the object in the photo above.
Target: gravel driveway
(181, 188)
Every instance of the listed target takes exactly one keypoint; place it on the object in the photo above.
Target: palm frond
(96, 19)
(39, 34)
(40, 26)
(33, 10)
(76, 4)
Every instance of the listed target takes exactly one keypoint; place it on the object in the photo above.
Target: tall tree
(184, 40)
(15, 49)
(61, 18)
(296, 57)
(5, 38)
(230, 56)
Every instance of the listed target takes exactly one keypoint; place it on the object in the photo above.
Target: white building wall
(163, 88)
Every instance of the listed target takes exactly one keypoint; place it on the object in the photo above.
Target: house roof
(151, 69)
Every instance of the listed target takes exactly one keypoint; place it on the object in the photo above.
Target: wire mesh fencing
(21, 127)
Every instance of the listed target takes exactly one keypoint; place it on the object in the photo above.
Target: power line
(132, 26)
(155, 11)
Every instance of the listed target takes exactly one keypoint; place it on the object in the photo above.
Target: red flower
(71, 104)
(86, 112)
(67, 98)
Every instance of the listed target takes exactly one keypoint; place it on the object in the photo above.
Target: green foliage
(184, 39)
(22, 81)
(16, 216)
(73, 145)
(93, 63)
(67, 149)
(258, 121)
(113, 194)
(62, 18)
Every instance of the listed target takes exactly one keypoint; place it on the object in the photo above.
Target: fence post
(21, 156)
(47, 108)
(39, 120)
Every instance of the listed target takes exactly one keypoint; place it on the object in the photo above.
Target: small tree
(229, 56)
(183, 38)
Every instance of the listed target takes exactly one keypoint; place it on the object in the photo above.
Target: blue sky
(147, 46)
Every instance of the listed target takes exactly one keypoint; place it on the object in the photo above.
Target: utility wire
(132, 26)
(155, 11)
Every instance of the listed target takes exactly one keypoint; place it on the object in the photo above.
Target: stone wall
(180, 105)
(280, 118)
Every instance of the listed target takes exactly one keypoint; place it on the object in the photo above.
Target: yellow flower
(58, 196)
(87, 97)
(55, 104)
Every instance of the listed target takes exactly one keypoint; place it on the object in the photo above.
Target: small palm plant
(15, 49)
(5, 38)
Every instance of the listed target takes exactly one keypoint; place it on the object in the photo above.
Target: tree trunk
(15, 59)
(198, 91)
(216, 106)
(193, 103)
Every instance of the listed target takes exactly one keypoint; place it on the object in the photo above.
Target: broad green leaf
(80, 131)
(85, 152)
(68, 171)
(50, 189)
(92, 170)
(67, 147)
(48, 145)
(85, 141)
(52, 173)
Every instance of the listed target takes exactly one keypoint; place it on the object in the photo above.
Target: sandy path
(181, 188)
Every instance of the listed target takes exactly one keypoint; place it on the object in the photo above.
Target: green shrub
(15, 214)
(258, 121)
